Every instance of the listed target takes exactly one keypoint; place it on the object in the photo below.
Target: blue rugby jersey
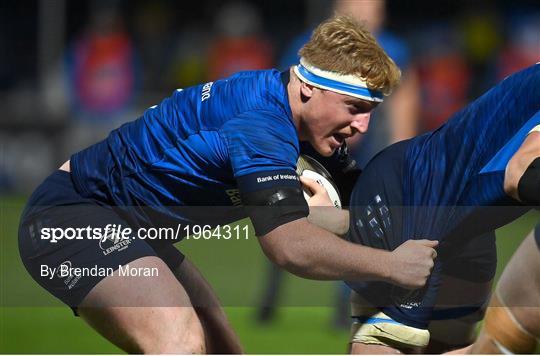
(454, 171)
(193, 148)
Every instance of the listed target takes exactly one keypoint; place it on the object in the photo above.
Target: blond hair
(343, 45)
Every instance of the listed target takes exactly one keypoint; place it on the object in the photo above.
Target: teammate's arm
(522, 176)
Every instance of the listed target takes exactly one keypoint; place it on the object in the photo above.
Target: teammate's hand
(412, 262)
(318, 196)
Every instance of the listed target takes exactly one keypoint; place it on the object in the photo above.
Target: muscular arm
(311, 252)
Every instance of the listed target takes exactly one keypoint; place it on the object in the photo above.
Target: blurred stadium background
(70, 71)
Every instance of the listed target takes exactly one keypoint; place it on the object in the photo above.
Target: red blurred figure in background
(238, 46)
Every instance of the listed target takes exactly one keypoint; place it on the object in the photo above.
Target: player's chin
(325, 150)
(325, 146)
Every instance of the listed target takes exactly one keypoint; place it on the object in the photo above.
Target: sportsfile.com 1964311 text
(119, 232)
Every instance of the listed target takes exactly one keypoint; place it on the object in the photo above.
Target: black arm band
(273, 207)
(529, 184)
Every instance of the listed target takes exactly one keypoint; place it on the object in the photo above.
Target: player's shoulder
(256, 75)
(245, 89)
(264, 88)
(260, 97)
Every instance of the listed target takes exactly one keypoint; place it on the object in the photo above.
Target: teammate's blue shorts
(446, 185)
(56, 204)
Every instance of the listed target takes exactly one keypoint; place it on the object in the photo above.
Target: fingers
(312, 185)
(432, 244)
(429, 243)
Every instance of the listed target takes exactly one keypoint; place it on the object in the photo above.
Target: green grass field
(31, 321)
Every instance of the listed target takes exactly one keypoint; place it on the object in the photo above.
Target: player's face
(330, 118)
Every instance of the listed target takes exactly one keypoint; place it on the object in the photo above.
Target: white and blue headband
(339, 83)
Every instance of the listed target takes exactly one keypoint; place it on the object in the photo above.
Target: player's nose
(361, 122)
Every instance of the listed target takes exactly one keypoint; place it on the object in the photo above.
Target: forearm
(331, 219)
(338, 260)
(314, 253)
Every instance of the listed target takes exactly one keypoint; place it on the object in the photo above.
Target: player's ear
(306, 90)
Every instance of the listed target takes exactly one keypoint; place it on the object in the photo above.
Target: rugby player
(457, 184)
(205, 146)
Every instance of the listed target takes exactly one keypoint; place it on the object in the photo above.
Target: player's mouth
(336, 140)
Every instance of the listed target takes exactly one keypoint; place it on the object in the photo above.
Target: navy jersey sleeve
(263, 150)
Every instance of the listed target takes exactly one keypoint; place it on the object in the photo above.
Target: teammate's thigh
(519, 285)
(144, 314)
(366, 349)
(464, 293)
(512, 323)
(461, 305)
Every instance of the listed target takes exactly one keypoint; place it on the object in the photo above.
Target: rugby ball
(310, 168)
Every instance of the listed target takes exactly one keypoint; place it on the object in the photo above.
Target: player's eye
(357, 109)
